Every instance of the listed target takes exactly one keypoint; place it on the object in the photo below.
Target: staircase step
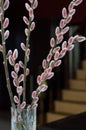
(81, 74)
(77, 84)
(84, 64)
(54, 116)
(69, 107)
(76, 96)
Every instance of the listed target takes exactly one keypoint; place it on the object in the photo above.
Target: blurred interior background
(47, 17)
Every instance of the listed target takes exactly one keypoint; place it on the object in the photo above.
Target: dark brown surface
(77, 122)
(4, 120)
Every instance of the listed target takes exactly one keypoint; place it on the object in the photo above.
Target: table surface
(4, 120)
(76, 122)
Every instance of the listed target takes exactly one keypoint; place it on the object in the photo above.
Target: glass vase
(23, 120)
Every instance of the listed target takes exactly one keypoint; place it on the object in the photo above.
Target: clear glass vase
(23, 120)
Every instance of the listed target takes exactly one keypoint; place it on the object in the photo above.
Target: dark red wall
(50, 9)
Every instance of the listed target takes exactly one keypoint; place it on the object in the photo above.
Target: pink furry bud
(56, 56)
(65, 30)
(19, 118)
(9, 53)
(15, 54)
(43, 88)
(39, 79)
(64, 12)
(14, 75)
(70, 47)
(43, 76)
(31, 12)
(34, 105)
(5, 23)
(57, 63)
(44, 63)
(52, 42)
(6, 34)
(77, 2)
(34, 94)
(70, 40)
(22, 106)
(19, 90)
(49, 69)
(23, 46)
(36, 99)
(79, 38)
(27, 52)
(32, 26)
(52, 64)
(49, 57)
(56, 49)
(11, 60)
(71, 6)
(68, 19)
(16, 67)
(6, 4)
(57, 31)
(50, 75)
(64, 44)
(63, 52)
(16, 100)
(21, 64)
(72, 12)
(60, 37)
(25, 19)
(21, 78)
(35, 4)
(27, 6)
(62, 23)
(26, 31)
(15, 82)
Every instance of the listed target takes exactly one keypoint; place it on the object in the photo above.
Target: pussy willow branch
(25, 66)
(52, 60)
(66, 46)
(25, 58)
(4, 57)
